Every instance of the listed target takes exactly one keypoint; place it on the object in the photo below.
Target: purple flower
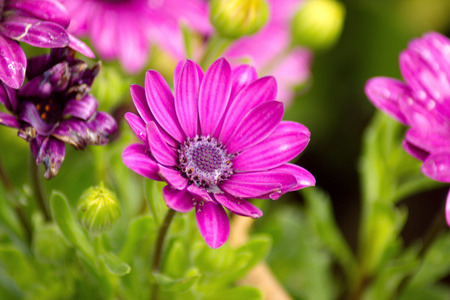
(217, 142)
(422, 103)
(38, 23)
(126, 29)
(54, 107)
(270, 49)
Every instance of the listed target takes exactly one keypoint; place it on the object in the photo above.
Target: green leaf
(177, 285)
(69, 227)
(141, 230)
(153, 191)
(177, 260)
(114, 264)
(237, 293)
(18, 267)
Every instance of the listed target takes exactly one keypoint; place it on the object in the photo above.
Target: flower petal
(238, 206)
(47, 10)
(173, 177)
(13, 63)
(186, 98)
(213, 224)
(80, 47)
(161, 103)
(180, 66)
(415, 151)
(51, 153)
(177, 200)
(83, 108)
(158, 147)
(8, 97)
(136, 158)
(29, 113)
(447, 209)
(259, 91)
(303, 177)
(386, 94)
(256, 126)
(243, 75)
(137, 125)
(437, 167)
(8, 120)
(429, 141)
(285, 143)
(214, 95)
(102, 127)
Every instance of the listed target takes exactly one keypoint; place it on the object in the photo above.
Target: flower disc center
(205, 161)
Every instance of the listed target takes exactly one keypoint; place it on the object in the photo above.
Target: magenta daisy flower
(273, 44)
(217, 142)
(38, 23)
(54, 107)
(421, 102)
(126, 29)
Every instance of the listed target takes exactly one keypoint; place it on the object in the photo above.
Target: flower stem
(216, 46)
(36, 186)
(157, 257)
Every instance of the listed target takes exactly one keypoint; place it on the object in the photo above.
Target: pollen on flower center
(205, 162)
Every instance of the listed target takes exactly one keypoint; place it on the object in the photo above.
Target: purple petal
(13, 63)
(136, 158)
(51, 153)
(31, 31)
(161, 103)
(437, 167)
(303, 177)
(256, 126)
(80, 47)
(8, 120)
(158, 147)
(8, 97)
(173, 177)
(243, 75)
(102, 29)
(386, 94)
(47, 10)
(447, 209)
(260, 91)
(137, 126)
(213, 224)
(214, 95)
(199, 194)
(180, 66)
(103, 126)
(238, 206)
(285, 143)
(83, 108)
(428, 141)
(186, 98)
(37, 65)
(415, 151)
(30, 114)
(177, 200)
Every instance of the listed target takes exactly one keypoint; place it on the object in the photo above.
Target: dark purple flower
(54, 107)
(422, 103)
(38, 23)
(217, 142)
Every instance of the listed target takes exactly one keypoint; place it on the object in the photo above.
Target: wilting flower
(38, 23)
(55, 107)
(126, 29)
(270, 51)
(422, 103)
(218, 141)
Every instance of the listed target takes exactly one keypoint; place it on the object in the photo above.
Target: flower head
(38, 23)
(126, 29)
(217, 142)
(421, 102)
(55, 107)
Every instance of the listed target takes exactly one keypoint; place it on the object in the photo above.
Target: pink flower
(268, 50)
(217, 142)
(422, 103)
(126, 29)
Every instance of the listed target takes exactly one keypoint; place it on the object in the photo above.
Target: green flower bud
(236, 18)
(318, 24)
(49, 245)
(98, 209)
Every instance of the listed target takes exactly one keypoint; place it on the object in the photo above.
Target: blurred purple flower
(54, 107)
(38, 23)
(126, 29)
(218, 141)
(422, 103)
(270, 50)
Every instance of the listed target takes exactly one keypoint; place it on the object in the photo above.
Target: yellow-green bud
(236, 18)
(318, 24)
(49, 245)
(98, 209)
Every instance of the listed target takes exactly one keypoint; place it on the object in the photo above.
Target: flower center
(205, 162)
(49, 110)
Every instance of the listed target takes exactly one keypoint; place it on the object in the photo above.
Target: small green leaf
(114, 264)
(177, 260)
(177, 285)
(141, 229)
(237, 293)
(18, 267)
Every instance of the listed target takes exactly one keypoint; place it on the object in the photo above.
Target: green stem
(157, 257)
(216, 46)
(36, 186)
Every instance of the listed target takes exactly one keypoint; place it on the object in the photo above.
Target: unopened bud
(318, 24)
(236, 18)
(98, 209)
(49, 245)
